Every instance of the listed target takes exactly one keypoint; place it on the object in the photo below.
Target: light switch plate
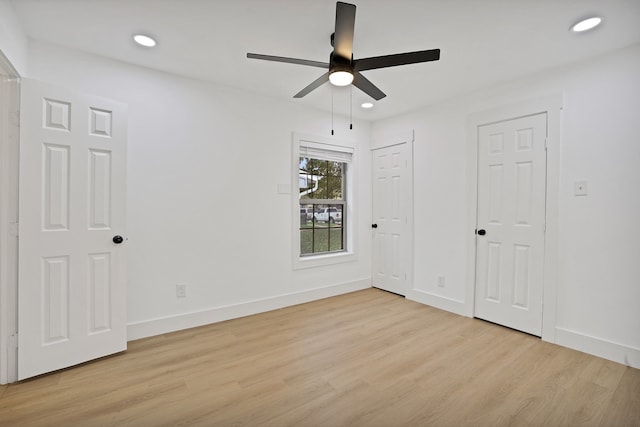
(580, 188)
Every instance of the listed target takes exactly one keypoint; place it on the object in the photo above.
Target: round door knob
(482, 232)
(117, 240)
(374, 225)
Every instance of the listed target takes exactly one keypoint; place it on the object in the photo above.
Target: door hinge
(546, 145)
(14, 229)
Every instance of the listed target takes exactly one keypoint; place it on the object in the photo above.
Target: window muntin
(322, 181)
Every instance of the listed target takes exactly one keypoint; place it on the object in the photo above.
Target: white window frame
(349, 254)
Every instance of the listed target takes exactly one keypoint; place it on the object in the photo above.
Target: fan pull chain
(351, 108)
(331, 110)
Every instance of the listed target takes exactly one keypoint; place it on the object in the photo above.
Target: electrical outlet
(181, 291)
(441, 281)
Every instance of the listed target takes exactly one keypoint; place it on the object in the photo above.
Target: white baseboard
(598, 347)
(437, 301)
(148, 328)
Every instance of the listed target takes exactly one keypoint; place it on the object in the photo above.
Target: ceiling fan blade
(395, 60)
(362, 83)
(343, 36)
(314, 85)
(288, 60)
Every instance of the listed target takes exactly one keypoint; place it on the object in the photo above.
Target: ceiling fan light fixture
(586, 24)
(341, 78)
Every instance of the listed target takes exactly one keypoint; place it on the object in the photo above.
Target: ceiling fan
(343, 69)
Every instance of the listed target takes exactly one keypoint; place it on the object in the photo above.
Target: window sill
(323, 260)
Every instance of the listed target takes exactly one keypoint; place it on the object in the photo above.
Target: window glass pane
(306, 216)
(333, 180)
(306, 242)
(321, 239)
(335, 216)
(335, 239)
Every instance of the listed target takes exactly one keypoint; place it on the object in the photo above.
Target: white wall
(598, 289)
(13, 40)
(203, 208)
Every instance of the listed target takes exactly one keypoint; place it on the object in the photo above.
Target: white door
(72, 293)
(391, 201)
(511, 222)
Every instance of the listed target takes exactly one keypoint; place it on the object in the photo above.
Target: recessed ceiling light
(367, 105)
(586, 24)
(143, 40)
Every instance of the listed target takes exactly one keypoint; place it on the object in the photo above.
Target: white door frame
(9, 159)
(406, 138)
(552, 105)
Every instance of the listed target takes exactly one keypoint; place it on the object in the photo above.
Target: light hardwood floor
(368, 358)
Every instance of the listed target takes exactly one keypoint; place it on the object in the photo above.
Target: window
(323, 189)
(322, 200)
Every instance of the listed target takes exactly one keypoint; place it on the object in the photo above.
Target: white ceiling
(482, 42)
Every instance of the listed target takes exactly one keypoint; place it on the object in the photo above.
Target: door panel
(72, 291)
(390, 213)
(511, 207)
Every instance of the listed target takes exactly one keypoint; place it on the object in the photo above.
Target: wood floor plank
(367, 358)
(624, 407)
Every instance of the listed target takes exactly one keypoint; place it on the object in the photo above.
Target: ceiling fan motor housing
(338, 63)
